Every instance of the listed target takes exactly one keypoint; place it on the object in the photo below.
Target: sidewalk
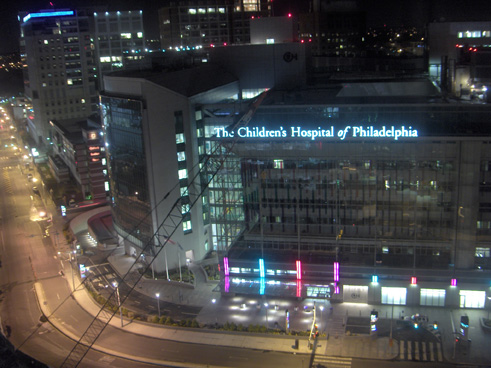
(335, 344)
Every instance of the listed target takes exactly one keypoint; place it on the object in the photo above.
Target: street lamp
(158, 302)
(322, 309)
(115, 284)
(266, 305)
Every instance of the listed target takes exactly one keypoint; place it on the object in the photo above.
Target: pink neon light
(453, 282)
(227, 284)
(225, 266)
(336, 271)
(299, 270)
(299, 288)
(413, 280)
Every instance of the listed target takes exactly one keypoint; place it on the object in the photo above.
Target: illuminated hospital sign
(320, 133)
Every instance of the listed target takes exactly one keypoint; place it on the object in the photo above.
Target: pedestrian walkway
(424, 351)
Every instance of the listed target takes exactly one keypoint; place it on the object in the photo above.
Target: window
(180, 138)
(126, 35)
(184, 191)
(432, 297)
(185, 208)
(186, 226)
(183, 173)
(181, 156)
(191, 11)
(394, 295)
(278, 164)
(482, 252)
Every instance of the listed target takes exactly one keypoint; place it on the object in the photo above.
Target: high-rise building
(60, 73)
(334, 29)
(119, 40)
(194, 23)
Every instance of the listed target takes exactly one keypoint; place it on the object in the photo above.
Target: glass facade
(395, 203)
(122, 122)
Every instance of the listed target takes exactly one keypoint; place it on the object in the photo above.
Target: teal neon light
(60, 13)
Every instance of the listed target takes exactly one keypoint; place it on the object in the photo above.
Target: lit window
(126, 35)
(221, 10)
(460, 35)
(181, 156)
(202, 11)
(69, 81)
(139, 34)
(183, 173)
(106, 186)
(180, 138)
(184, 191)
(476, 34)
(486, 33)
(105, 59)
(269, 41)
(185, 208)
(45, 42)
(278, 164)
(211, 10)
(192, 11)
(186, 226)
(468, 34)
(482, 252)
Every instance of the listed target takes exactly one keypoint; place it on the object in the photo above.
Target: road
(28, 257)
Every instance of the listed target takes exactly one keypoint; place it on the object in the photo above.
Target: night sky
(379, 12)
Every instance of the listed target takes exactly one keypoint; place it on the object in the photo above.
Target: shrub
(162, 320)
(154, 319)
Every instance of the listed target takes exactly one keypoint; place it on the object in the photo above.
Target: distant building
(79, 152)
(119, 40)
(460, 57)
(334, 28)
(65, 52)
(193, 23)
(60, 77)
(269, 30)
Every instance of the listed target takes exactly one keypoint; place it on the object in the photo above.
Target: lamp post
(266, 306)
(115, 284)
(322, 309)
(158, 302)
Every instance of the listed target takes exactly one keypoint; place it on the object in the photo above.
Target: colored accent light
(299, 288)
(225, 266)
(299, 270)
(227, 284)
(453, 282)
(375, 279)
(414, 281)
(262, 286)
(48, 14)
(261, 268)
(336, 289)
(336, 271)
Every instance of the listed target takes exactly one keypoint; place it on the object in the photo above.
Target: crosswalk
(322, 361)
(425, 351)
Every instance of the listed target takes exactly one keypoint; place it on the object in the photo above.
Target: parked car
(29, 177)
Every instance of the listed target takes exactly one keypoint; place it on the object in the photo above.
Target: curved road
(27, 257)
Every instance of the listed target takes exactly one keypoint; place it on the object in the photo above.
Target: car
(29, 177)
(35, 190)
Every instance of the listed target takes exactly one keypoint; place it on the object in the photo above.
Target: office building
(60, 77)
(194, 24)
(119, 40)
(459, 57)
